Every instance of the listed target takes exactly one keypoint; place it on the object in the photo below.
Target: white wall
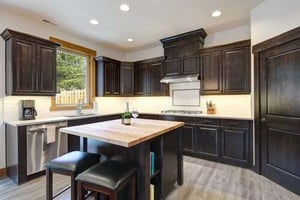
(146, 53)
(228, 36)
(273, 17)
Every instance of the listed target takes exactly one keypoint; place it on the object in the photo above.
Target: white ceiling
(146, 22)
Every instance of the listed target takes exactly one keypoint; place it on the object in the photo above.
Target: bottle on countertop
(126, 117)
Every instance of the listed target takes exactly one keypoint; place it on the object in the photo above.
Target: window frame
(91, 73)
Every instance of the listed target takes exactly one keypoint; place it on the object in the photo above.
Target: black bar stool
(70, 164)
(107, 178)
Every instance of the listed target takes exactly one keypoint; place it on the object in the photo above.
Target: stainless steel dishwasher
(41, 149)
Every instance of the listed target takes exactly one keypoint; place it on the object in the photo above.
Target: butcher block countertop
(113, 132)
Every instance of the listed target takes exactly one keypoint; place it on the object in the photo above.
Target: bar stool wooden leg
(80, 190)
(49, 184)
(73, 188)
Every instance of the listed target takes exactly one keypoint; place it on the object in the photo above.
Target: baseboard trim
(3, 172)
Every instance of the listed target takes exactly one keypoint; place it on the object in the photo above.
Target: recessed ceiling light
(216, 13)
(130, 40)
(94, 21)
(124, 7)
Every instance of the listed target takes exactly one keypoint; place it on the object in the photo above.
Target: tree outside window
(74, 76)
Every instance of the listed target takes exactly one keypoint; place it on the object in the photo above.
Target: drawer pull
(234, 123)
(206, 121)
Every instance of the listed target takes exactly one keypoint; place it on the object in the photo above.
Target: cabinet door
(207, 141)
(211, 73)
(155, 75)
(24, 67)
(235, 145)
(190, 64)
(188, 138)
(236, 70)
(140, 79)
(46, 63)
(116, 79)
(172, 67)
(109, 71)
(126, 79)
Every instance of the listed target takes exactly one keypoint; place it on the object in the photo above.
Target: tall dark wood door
(280, 114)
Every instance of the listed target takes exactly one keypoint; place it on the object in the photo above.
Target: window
(75, 78)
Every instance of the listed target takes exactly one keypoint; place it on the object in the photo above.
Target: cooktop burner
(188, 112)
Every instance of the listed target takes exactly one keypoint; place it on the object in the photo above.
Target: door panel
(279, 154)
(283, 84)
(279, 113)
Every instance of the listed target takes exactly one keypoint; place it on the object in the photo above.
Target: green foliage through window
(71, 71)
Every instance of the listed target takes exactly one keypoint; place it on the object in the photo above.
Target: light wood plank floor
(203, 180)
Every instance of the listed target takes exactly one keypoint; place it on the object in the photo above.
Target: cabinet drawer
(235, 123)
(189, 120)
(208, 121)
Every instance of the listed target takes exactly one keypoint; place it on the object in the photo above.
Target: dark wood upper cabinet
(30, 64)
(211, 73)
(172, 67)
(147, 76)
(180, 51)
(141, 79)
(107, 76)
(126, 78)
(225, 69)
(236, 70)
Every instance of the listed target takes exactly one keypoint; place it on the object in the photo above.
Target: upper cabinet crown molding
(184, 38)
(8, 33)
(30, 64)
(180, 51)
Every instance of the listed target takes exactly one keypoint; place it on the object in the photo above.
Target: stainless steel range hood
(180, 78)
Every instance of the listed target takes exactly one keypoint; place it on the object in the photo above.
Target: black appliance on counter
(27, 110)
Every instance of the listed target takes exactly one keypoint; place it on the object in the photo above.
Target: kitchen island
(133, 143)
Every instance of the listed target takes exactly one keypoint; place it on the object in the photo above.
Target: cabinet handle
(206, 121)
(263, 120)
(234, 123)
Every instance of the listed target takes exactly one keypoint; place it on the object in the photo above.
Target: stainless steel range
(185, 112)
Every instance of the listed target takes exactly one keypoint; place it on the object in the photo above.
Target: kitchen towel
(50, 134)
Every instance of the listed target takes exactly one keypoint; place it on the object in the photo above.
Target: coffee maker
(27, 110)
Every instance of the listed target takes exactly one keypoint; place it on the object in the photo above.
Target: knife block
(211, 109)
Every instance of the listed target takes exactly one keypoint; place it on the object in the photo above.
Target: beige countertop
(205, 115)
(89, 115)
(55, 119)
(114, 132)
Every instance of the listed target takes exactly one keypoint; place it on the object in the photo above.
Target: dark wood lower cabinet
(235, 146)
(188, 138)
(207, 141)
(223, 140)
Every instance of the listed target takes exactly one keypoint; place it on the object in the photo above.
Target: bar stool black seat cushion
(110, 174)
(75, 161)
